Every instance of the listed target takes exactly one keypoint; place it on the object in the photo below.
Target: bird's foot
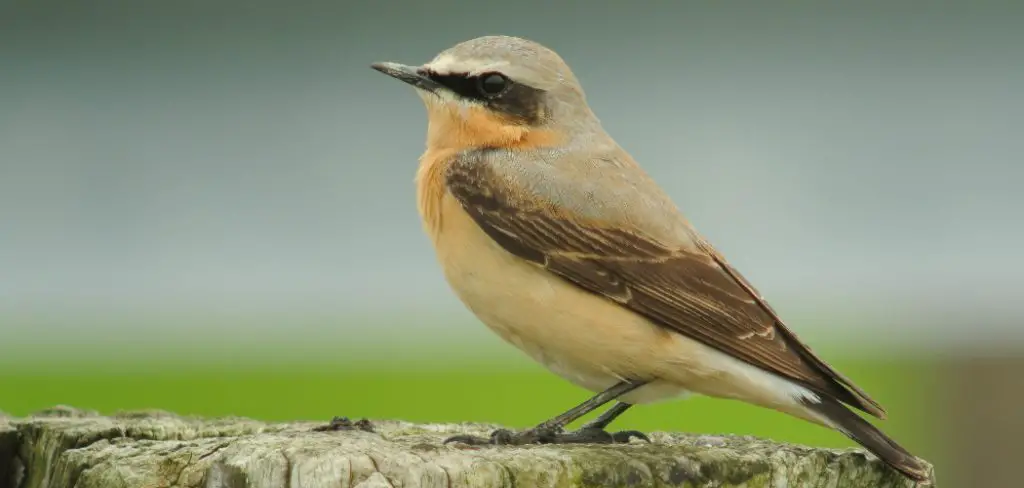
(597, 435)
(550, 435)
(343, 423)
(504, 437)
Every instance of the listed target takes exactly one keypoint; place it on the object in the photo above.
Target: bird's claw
(624, 436)
(596, 435)
(548, 435)
(505, 437)
(469, 440)
(344, 423)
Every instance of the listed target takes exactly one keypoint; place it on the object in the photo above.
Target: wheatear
(556, 239)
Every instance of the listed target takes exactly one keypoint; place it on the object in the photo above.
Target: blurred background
(208, 207)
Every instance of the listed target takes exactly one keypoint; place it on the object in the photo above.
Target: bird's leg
(608, 416)
(551, 431)
(594, 431)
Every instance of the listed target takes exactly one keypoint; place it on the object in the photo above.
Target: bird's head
(497, 91)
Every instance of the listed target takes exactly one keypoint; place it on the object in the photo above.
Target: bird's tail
(869, 436)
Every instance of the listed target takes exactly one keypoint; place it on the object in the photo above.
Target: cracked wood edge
(65, 447)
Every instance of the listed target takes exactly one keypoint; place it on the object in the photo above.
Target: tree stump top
(65, 447)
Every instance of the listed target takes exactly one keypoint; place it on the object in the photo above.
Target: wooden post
(65, 448)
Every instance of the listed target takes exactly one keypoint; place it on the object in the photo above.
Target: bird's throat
(454, 128)
(458, 126)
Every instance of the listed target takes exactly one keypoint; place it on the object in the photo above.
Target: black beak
(408, 74)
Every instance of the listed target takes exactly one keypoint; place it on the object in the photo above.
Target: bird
(555, 238)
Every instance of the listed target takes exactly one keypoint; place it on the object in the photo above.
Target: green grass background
(513, 393)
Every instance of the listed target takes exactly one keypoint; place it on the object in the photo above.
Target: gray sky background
(243, 156)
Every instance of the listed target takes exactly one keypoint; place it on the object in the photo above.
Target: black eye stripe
(519, 101)
(462, 85)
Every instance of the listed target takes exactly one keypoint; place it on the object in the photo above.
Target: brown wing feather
(694, 292)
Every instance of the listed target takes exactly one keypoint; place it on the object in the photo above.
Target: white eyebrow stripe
(488, 68)
(446, 64)
(443, 64)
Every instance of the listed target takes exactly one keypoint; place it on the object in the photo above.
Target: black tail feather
(873, 439)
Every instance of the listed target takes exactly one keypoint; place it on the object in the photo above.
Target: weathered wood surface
(65, 448)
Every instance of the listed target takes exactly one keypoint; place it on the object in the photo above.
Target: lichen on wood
(65, 447)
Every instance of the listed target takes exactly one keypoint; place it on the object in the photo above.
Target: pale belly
(584, 338)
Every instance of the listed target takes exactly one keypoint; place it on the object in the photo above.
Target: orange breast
(430, 187)
(453, 128)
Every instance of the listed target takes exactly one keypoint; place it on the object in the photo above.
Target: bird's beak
(408, 74)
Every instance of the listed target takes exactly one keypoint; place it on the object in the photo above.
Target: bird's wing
(692, 291)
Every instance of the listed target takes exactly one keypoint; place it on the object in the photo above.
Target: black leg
(593, 403)
(550, 431)
(597, 426)
(608, 416)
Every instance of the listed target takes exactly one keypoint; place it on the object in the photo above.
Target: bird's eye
(492, 84)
